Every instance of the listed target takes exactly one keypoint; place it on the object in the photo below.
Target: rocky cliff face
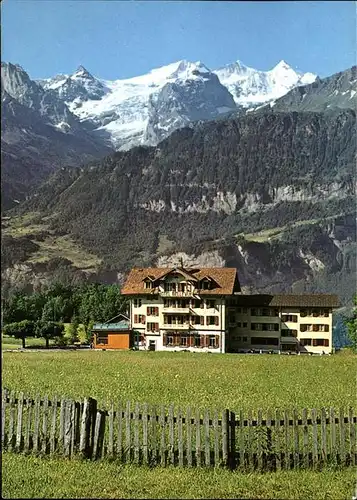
(178, 104)
(338, 91)
(38, 135)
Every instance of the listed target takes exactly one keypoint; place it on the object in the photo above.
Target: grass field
(202, 380)
(30, 477)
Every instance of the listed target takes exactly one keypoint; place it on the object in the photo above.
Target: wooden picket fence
(151, 435)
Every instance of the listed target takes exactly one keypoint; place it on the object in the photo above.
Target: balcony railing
(176, 326)
(174, 293)
(173, 310)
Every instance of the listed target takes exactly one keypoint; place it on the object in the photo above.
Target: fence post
(99, 430)
(86, 424)
(3, 415)
(232, 440)
(20, 409)
(225, 437)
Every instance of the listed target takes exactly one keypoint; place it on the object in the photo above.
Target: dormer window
(205, 284)
(148, 284)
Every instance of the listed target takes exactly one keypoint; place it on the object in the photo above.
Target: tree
(352, 326)
(20, 330)
(49, 330)
(72, 333)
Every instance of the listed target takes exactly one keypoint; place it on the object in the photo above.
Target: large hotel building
(203, 309)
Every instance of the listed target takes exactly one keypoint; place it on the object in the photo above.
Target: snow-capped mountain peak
(251, 87)
(169, 96)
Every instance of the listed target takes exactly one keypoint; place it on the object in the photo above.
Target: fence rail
(159, 435)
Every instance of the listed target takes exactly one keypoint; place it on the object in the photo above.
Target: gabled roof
(123, 325)
(225, 278)
(179, 270)
(303, 300)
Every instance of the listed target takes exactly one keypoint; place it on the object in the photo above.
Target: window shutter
(216, 320)
(148, 311)
(202, 319)
(202, 304)
(135, 318)
(156, 327)
(164, 339)
(207, 321)
(327, 328)
(143, 319)
(157, 311)
(178, 339)
(326, 343)
(217, 341)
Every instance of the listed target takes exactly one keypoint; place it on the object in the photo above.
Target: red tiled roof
(303, 300)
(225, 277)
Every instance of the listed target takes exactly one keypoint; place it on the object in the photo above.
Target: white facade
(175, 323)
(292, 329)
(190, 310)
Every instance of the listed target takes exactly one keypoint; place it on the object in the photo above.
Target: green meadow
(237, 382)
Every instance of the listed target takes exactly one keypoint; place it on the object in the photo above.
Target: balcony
(174, 293)
(178, 310)
(178, 326)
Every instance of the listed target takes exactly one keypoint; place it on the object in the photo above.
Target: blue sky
(120, 39)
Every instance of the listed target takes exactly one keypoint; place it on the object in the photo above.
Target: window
(197, 304)
(232, 318)
(239, 310)
(306, 341)
(256, 312)
(102, 338)
(149, 284)
(152, 327)
(210, 304)
(245, 339)
(289, 317)
(257, 326)
(152, 311)
(139, 318)
(245, 310)
(264, 341)
(318, 342)
(212, 320)
(183, 341)
(197, 341)
(240, 338)
(170, 340)
(303, 328)
(288, 333)
(137, 302)
(272, 327)
(326, 313)
(205, 285)
(212, 341)
(245, 325)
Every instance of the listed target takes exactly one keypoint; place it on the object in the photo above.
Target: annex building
(203, 309)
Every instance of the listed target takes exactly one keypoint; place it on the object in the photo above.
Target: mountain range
(147, 108)
(228, 167)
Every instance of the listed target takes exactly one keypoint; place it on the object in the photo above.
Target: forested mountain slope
(270, 193)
